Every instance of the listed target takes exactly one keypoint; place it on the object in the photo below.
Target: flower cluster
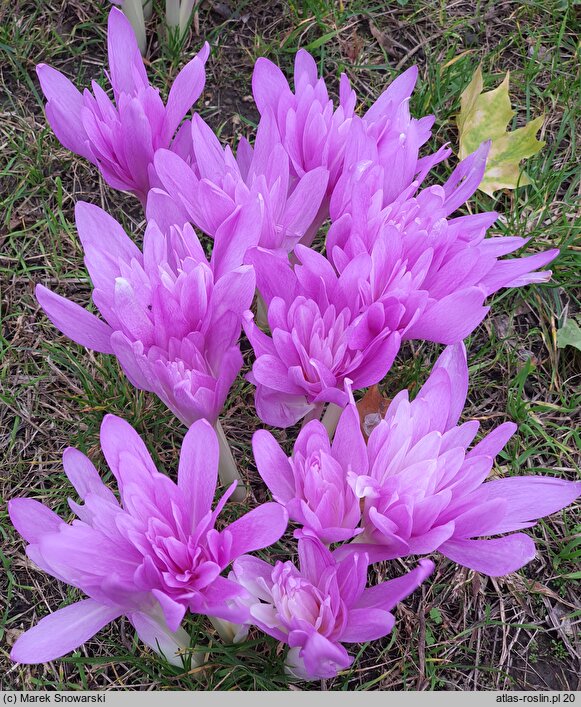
(420, 488)
(150, 557)
(321, 605)
(398, 264)
(171, 318)
(121, 138)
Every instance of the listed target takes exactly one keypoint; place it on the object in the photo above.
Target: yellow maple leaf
(485, 116)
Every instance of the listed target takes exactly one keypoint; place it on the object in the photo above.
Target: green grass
(460, 631)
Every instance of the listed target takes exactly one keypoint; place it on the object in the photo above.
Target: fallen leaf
(485, 116)
(383, 39)
(501, 324)
(569, 335)
(371, 408)
(12, 635)
(520, 586)
(353, 47)
(222, 9)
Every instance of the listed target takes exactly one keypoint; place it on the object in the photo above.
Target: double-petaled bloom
(394, 271)
(202, 182)
(445, 268)
(150, 557)
(315, 133)
(121, 138)
(425, 490)
(313, 483)
(171, 318)
(321, 605)
(321, 336)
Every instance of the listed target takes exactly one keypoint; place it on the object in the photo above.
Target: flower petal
(495, 557)
(452, 318)
(323, 658)
(314, 557)
(198, 469)
(105, 244)
(82, 474)
(268, 83)
(255, 575)
(185, 90)
(453, 361)
(63, 110)
(527, 499)
(386, 595)
(349, 447)
(32, 519)
(128, 73)
(117, 438)
(273, 466)
(61, 632)
(74, 321)
(258, 528)
(367, 625)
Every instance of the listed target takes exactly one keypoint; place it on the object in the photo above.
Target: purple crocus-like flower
(425, 491)
(323, 604)
(321, 336)
(150, 557)
(444, 267)
(315, 133)
(121, 138)
(171, 317)
(312, 484)
(394, 272)
(202, 182)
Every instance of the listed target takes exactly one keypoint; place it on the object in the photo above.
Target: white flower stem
(133, 10)
(227, 469)
(261, 311)
(313, 414)
(147, 8)
(361, 538)
(196, 658)
(172, 13)
(331, 418)
(226, 629)
(185, 12)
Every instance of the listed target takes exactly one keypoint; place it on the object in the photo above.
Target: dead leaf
(485, 116)
(372, 408)
(222, 9)
(12, 635)
(353, 47)
(518, 586)
(383, 39)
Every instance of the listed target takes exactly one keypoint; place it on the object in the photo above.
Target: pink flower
(312, 484)
(317, 608)
(202, 182)
(321, 336)
(121, 138)
(315, 133)
(171, 317)
(425, 491)
(150, 557)
(442, 269)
